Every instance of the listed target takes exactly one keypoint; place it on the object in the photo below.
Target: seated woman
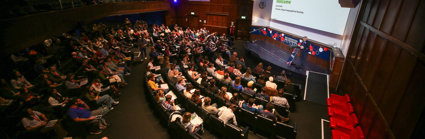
(219, 61)
(160, 96)
(186, 60)
(207, 106)
(192, 73)
(211, 68)
(237, 84)
(196, 97)
(231, 67)
(187, 92)
(174, 73)
(188, 123)
(270, 113)
(181, 83)
(97, 87)
(212, 85)
(223, 93)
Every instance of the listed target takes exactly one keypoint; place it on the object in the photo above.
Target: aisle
(133, 118)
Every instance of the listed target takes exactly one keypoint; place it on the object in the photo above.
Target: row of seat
(211, 121)
(343, 121)
(257, 123)
(176, 127)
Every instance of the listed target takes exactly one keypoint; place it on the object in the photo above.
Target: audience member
(226, 114)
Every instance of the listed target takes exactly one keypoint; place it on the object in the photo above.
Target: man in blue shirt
(250, 106)
(79, 112)
(305, 48)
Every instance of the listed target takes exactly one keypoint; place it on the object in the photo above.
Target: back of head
(269, 106)
(168, 97)
(251, 101)
(186, 117)
(250, 83)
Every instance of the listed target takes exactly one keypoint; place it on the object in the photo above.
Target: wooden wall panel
(385, 67)
(417, 31)
(383, 5)
(218, 13)
(413, 97)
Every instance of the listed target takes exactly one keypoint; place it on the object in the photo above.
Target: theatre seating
(265, 126)
(211, 122)
(343, 120)
(356, 133)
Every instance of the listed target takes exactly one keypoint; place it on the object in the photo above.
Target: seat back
(263, 126)
(225, 130)
(246, 117)
(285, 130)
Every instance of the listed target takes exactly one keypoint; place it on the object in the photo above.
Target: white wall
(349, 29)
(262, 17)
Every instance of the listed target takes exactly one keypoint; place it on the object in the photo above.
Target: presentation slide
(324, 15)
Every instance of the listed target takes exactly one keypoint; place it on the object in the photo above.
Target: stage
(278, 57)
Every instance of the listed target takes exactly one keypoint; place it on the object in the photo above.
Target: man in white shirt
(226, 114)
(219, 61)
(271, 84)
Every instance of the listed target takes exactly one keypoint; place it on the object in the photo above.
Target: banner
(315, 50)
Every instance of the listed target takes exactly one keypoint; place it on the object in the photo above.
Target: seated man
(270, 113)
(153, 85)
(282, 76)
(249, 89)
(227, 114)
(37, 121)
(250, 106)
(169, 104)
(105, 100)
(280, 100)
(79, 112)
(271, 84)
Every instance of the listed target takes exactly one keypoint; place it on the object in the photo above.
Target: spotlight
(175, 1)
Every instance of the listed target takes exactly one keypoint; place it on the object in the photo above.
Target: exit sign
(192, 13)
(243, 17)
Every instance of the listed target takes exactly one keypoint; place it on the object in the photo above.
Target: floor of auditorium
(133, 118)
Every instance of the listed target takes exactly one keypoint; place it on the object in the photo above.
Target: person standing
(305, 45)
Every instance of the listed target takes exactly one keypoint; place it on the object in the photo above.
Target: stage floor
(278, 57)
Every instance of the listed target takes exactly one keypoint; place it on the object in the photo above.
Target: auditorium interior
(251, 69)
